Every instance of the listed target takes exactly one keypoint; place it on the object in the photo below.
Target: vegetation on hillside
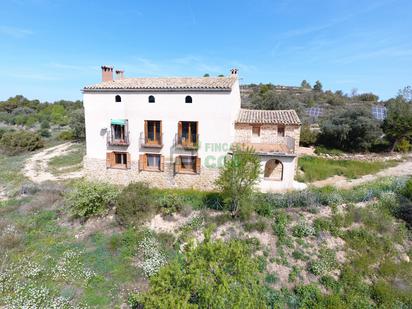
(346, 122)
(26, 125)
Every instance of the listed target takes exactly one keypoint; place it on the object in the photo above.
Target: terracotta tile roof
(268, 116)
(165, 83)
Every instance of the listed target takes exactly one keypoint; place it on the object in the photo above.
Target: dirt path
(36, 167)
(402, 169)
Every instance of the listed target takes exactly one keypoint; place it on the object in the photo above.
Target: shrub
(325, 263)
(14, 142)
(271, 278)
(237, 178)
(88, 199)
(259, 226)
(303, 229)
(403, 146)
(405, 213)
(135, 204)
(351, 130)
(407, 189)
(307, 137)
(170, 203)
(188, 282)
(45, 132)
(66, 135)
(280, 224)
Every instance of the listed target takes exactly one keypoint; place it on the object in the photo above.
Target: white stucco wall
(287, 182)
(215, 113)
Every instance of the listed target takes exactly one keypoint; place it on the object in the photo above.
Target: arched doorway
(274, 170)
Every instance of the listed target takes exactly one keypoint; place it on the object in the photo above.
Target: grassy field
(315, 168)
(11, 176)
(69, 162)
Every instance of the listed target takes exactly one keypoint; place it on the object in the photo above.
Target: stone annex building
(176, 131)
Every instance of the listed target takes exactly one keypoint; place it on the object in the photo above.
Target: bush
(170, 203)
(66, 135)
(45, 132)
(135, 204)
(14, 142)
(407, 190)
(307, 137)
(303, 229)
(403, 146)
(188, 282)
(88, 199)
(351, 130)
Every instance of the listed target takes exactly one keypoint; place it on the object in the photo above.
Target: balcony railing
(147, 142)
(113, 141)
(284, 144)
(190, 141)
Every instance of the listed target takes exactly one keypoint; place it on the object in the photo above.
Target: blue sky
(50, 49)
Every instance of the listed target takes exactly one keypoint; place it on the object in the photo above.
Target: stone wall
(268, 134)
(95, 169)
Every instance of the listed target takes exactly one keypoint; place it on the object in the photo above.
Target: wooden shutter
(141, 162)
(198, 164)
(109, 159)
(161, 133)
(179, 131)
(129, 161)
(162, 163)
(145, 131)
(178, 164)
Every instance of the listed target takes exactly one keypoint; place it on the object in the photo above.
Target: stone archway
(274, 170)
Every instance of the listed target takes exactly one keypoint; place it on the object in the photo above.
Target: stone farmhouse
(177, 131)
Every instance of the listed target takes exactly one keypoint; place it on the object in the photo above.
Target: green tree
(305, 84)
(77, 124)
(351, 130)
(406, 94)
(398, 123)
(206, 75)
(214, 274)
(318, 86)
(237, 178)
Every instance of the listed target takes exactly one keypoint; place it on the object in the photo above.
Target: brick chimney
(119, 74)
(233, 72)
(107, 74)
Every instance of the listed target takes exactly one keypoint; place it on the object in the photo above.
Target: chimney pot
(233, 72)
(107, 73)
(119, 74)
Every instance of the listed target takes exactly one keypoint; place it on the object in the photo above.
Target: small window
(153, 161)
(118, 160)
(281, 130)
(188, 99)
(118, 98)
(151, 99)
(256, 131)
(187, 164)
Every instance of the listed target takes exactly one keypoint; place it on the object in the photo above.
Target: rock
(405, 258)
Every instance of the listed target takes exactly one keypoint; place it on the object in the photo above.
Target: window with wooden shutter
(109, 159)
(141, 162)
(178, 164)
(162, 163)
(129, 161)
(187, 164)
(179, 132)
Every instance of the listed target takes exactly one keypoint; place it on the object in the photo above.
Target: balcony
(150, 141)
(284, 145)
(187, 141)
(118, 134)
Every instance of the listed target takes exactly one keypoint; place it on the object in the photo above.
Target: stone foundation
(95, 169)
